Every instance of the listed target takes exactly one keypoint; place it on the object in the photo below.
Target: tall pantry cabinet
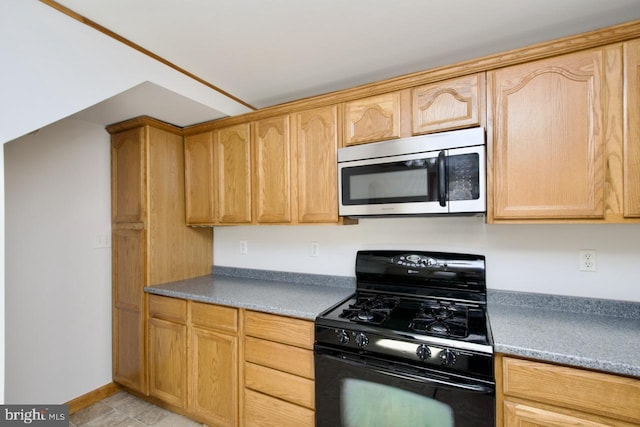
(151, 243)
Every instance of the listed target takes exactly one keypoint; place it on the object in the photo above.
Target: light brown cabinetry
(168, 350)
(199, 179)
(539, 394)
(278, 170)
(450, 104)
(371, 119)
(272, 199)
(278, 371)
(218, 176)
(632, 129)
(150, 242)
(213, 364)
(551, 121)
(315, 135)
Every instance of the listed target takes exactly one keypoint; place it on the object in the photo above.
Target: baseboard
(92, 397)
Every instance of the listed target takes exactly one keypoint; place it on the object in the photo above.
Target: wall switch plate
(244, 248)
(315, 249)
(101, 241)
(587, 260)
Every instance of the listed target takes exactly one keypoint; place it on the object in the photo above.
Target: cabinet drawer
(280, 384)
(278, 356)
(265, 411)
(214, 316)
(591, 392)
(282, 329)
(172, 309)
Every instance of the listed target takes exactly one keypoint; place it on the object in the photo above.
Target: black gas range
(417, 323)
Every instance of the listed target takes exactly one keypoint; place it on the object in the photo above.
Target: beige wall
(58, 286)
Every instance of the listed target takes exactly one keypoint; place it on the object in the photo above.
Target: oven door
(404, 184)
(352, 391)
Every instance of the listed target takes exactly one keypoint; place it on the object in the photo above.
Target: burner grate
(374, 310)
(442, 318)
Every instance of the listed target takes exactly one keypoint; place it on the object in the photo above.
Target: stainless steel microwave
(442, 173)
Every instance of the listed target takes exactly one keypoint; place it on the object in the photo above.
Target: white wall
(529, 258)
(66, 66)
(58, 287)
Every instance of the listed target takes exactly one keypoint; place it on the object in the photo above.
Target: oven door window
(407, 181)
(366, 403)
(370, 394)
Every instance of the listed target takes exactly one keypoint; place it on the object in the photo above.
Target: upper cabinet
(272, 170)
(372, 119)
(550, 125)
(632, 129)
(218, 176)
(316, 145)
(128, 178)
(199, 178)
(450, 104)
(232, 169)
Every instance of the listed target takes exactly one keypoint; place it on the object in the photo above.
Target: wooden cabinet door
(549, 121)
(167, 361)
(129, 267)
(451, 104)
(521, 415)
(316, 139)
(199, 183)
(232, 165)
(213, 388)
(372, 119)
(272, 170)
(632, 129)
(128, 176)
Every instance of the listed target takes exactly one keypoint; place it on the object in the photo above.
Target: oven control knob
(343, 337)
(448, 357)
(362, 340)
(423, 352)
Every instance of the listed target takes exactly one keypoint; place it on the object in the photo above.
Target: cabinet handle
(442, 179)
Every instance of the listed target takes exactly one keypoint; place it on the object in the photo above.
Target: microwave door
(397, 185)
(466, 180)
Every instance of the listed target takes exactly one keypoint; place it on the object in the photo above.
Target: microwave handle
(442, 179)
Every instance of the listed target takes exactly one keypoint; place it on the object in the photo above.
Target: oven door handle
(476, 388)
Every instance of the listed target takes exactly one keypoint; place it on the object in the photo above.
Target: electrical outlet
(587, 259)
(244, 249)
(315, 249)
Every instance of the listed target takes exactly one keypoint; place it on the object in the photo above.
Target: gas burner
(373, 310)
(441, 318)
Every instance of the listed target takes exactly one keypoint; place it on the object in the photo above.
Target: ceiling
(267, 52)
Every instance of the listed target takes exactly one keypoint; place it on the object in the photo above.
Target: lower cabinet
(196, 367)
(278, 371)
(193, 359)
(168, 350)
(537, 394)
(213, 363)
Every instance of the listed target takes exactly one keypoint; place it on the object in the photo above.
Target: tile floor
(125, 410)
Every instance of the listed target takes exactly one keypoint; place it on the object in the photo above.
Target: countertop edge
(603, 366)
(306, 315)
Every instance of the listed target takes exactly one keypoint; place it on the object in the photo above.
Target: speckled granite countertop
(290, 294)
(590, 333)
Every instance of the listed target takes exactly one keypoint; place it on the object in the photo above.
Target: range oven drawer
(280, 384)
(294, 360)
(266, 411)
